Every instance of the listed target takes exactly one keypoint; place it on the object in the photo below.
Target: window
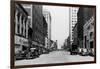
(88, 27)
(18, 31)
(91, 35)
(91, 44)
(29, 11)
(22, 26)
(22, 31)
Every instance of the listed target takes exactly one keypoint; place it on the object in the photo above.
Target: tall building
(88, 37)
(47, 16)
(72, 21)
(38, 24)
(21, 29)
(84, 15)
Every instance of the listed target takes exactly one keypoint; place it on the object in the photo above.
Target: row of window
(21, 24)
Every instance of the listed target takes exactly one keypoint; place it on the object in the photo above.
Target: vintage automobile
(33, 53)
(83, 52)
(18, 56)
(74, 50)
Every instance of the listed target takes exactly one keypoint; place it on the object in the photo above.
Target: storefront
(21, 44)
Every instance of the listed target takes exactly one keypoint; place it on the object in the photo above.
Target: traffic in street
(59, 56)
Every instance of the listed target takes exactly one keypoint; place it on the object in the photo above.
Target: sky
(59, 23)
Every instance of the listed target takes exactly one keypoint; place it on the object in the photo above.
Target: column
(20, 22)
(16, 22)
(24, 26)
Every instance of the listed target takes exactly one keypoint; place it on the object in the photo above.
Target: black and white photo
(53, 34)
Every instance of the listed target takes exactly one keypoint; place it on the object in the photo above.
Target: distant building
(53, 45)
(47, 16)
(66, 45)
(68, 42)
(56, 45)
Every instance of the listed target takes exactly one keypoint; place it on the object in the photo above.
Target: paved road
(55, 57)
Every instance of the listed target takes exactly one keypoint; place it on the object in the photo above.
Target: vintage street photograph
(50, 34)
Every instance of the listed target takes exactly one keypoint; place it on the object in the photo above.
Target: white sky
(59, 23)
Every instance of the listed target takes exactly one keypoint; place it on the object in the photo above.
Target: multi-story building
(84, 14)
(65, 42)
(66, 45)
(38, 36)
(47, 16)
(72, 21)
(21, 29)
(38, 25)
(29, 16)
(88, 37)
(56, 45)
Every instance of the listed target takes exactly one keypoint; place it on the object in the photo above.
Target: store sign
(21, 40)
(34, 43)
(24, 42)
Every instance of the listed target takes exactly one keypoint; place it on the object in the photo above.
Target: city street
(54, 57)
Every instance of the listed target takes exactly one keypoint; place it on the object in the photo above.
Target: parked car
(91, 52)
(79, 51)
(33, 53)
(19, 56)
(84, 52)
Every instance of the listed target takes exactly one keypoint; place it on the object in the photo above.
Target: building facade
(88, 37)
(39, 27)
(47, 16)
(29, 16)
(72, 21)
(21, 29)
(28, 8)
(84, 14)
(65, 45)
(75, 35)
